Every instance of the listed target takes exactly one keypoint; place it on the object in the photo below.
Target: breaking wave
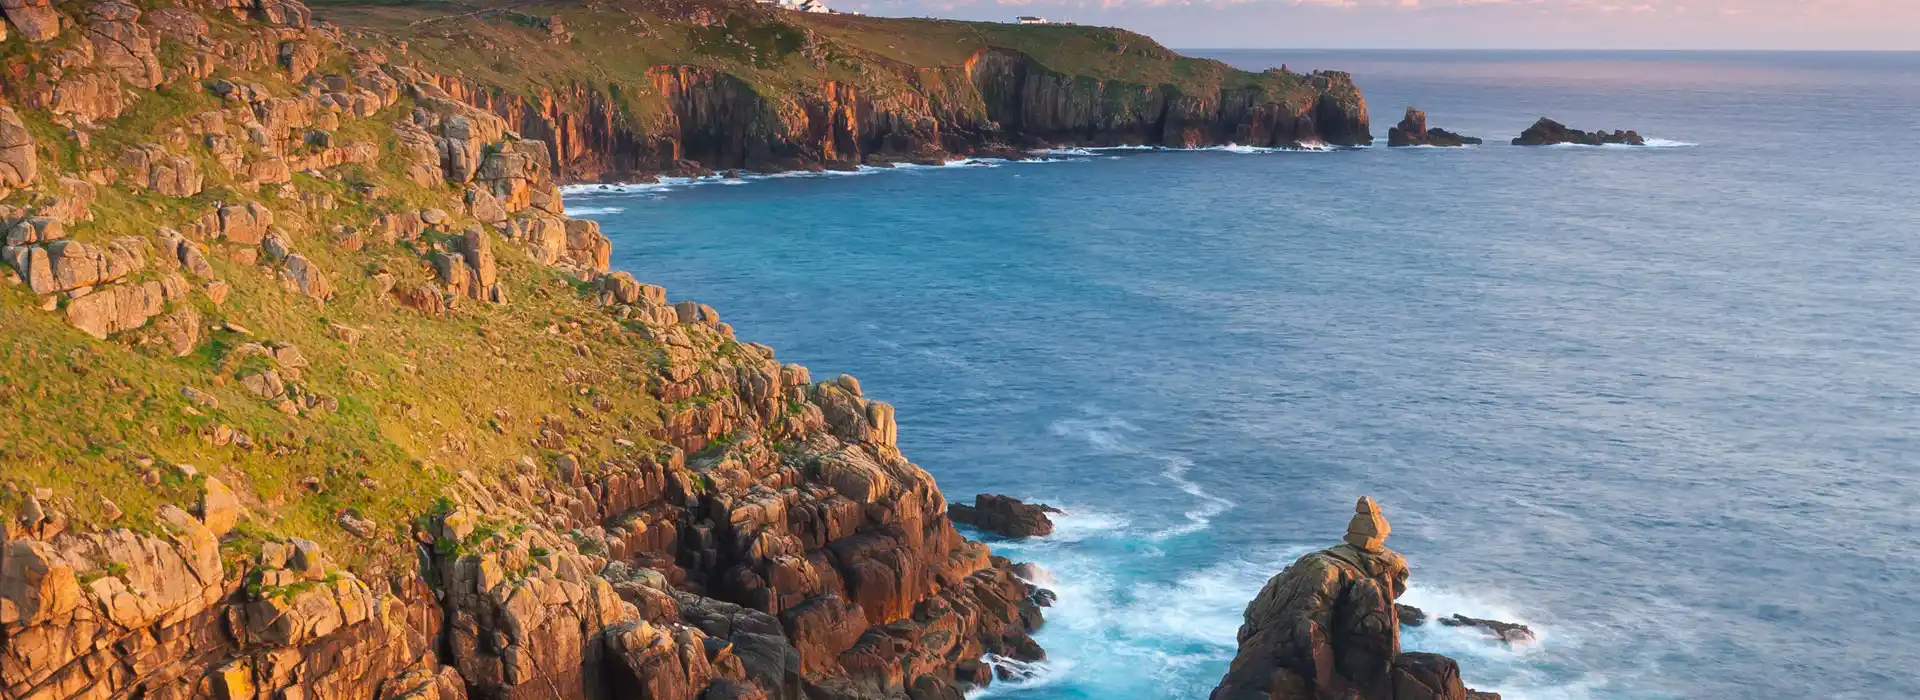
(593, 211)
(664, 184)
(1114, 435)
(1650, 143)
(1119, 630)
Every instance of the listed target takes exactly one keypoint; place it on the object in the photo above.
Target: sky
(1881, 25)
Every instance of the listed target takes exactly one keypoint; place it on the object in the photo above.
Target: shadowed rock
(1004, 515)
(1548, 132)
(1413, 131)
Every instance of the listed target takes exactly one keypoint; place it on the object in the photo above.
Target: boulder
(1410, 616)
(152, 167)
(476, 251)
(35, 229)
(18, 163)
(179, 330)
(66, 265)
(219, 508)
(1327, 627)
(245, 224)
(1005, 516)
(301, 275)
(121, 44)
(586, 246)
(1548, 132)
(1413, 131)
(122, 307)
(36, 19)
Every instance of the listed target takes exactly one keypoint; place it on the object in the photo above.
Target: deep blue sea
(1662, 404)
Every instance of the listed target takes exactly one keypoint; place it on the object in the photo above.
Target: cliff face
(831, 96)
(314, 391)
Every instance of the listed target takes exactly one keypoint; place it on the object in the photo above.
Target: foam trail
(1651, 143)
(1111, 435)
(1198, 518)
(593, 211)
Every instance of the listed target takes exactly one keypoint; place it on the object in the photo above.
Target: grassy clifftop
(509, 44)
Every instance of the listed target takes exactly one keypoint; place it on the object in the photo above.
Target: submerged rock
(1507, 632)
(1327, 627)
(1548, 132)
(1004, 515)
(1413, 131)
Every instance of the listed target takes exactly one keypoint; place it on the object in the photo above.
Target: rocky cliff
(621, 90)
(1327, 627)
(313, 391)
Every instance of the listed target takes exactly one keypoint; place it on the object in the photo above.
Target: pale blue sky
(1627, 24)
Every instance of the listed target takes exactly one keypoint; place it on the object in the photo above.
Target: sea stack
(1413, 131)
(1327, 627)
(1548, 132)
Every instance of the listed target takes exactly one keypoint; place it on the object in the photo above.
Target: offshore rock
(1327, 627)
(1413, 131)
(1548, 132)
(1507, 632)
(1004, 515)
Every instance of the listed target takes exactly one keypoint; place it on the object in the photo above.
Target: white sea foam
(1113, 435)
(672, 183)
(593, 211)
(1110, 636)
(1651, 143)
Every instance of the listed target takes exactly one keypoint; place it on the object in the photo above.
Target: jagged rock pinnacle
(1368, 529)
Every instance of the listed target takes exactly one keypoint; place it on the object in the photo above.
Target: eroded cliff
(626, 89)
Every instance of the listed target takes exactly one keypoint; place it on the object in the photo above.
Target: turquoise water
(1660, 403)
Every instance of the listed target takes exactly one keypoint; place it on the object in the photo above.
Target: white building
(1035, 20)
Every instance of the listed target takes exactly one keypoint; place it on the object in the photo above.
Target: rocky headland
(620, 91)
(1548, 132)
(1412, 131)
(1327, 627)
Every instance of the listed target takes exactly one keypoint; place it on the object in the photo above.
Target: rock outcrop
(1412, 131)
(1548, 132)
(1506, 632)
(1005, 516)
(1327, 627)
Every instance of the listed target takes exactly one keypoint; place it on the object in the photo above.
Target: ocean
(1661, 404)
